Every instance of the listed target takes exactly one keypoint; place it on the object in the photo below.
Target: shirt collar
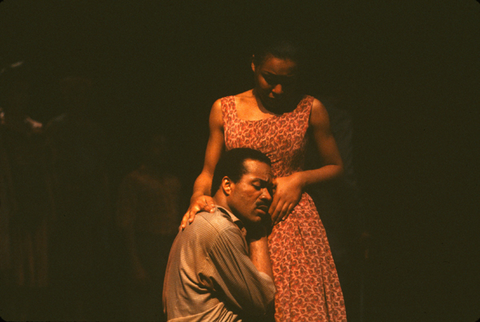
(234, 218)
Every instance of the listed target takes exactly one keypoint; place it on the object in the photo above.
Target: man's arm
(259, 252)
(246, 285)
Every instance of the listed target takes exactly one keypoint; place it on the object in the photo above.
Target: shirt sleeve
(234, 276)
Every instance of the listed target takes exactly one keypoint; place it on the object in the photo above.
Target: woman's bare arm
(289, 189)
(201, 198)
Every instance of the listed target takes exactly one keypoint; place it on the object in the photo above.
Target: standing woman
(276, 119)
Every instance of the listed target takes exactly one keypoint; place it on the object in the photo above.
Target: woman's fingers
(210, 205)
(281, 213)
(189, 216)
(184, 222)
(277, 209)
(203, 203)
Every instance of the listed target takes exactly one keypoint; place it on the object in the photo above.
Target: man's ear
(227, 185)
(253, 65)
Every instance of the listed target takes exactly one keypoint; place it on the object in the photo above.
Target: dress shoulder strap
(304, 107)
(229, 109)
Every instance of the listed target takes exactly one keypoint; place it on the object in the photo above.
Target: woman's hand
(287, 195)
(201, 203)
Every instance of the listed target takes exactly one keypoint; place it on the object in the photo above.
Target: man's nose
(278, 89)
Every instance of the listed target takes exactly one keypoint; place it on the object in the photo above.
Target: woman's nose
(277, 89)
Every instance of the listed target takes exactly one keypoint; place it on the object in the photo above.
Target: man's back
(210, 276)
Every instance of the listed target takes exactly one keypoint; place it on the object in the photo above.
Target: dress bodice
(282, 138)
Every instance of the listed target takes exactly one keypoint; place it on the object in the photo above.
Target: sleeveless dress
(308, 288)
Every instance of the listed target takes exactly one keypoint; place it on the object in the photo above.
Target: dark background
(408, 72)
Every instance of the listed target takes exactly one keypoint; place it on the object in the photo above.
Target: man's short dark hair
(231, 165)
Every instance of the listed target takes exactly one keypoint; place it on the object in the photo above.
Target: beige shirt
(210, 276)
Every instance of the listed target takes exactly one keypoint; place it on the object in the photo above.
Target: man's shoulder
(207, 230)
(217, 220)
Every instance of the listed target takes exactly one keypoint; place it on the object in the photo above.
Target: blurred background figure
(80, 235)
(341, 210)
(148, 217)
(26, 205)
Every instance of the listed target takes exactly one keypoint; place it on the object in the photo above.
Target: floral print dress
(308, 288)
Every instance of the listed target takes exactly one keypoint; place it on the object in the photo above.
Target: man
(219, 268)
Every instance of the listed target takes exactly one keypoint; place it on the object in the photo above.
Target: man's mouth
(263, 208)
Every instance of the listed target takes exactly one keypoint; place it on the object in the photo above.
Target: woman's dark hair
(283, 48)
(231, 165)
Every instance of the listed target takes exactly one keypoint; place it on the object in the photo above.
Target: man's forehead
(258, 169)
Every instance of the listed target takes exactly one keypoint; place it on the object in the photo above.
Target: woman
(274, 119)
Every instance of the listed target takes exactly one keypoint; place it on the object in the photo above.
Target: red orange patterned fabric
(308, 288)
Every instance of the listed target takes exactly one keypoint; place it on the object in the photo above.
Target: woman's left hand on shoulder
(287, 195)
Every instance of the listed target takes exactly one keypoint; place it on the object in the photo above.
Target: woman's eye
(269, 80)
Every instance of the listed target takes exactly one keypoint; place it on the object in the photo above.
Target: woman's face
(276, 83)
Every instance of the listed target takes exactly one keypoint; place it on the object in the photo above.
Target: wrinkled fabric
(210, 276)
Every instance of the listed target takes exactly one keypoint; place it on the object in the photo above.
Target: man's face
(251, 196)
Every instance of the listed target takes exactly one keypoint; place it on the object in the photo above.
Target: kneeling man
(219, 268)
